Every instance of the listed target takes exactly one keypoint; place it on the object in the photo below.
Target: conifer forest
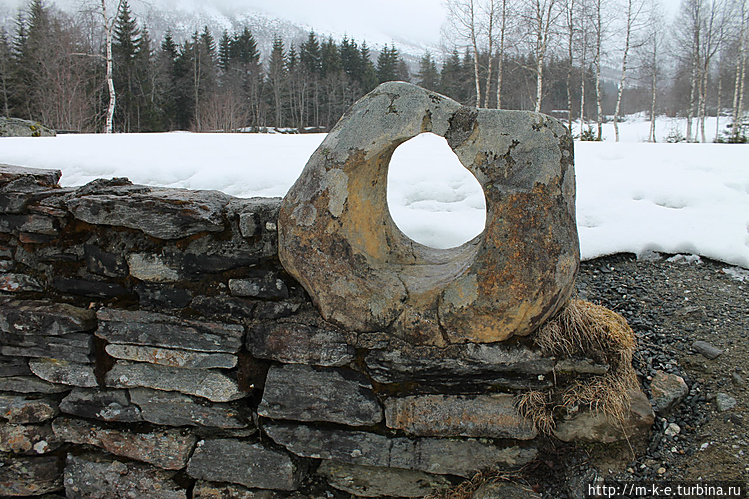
(102, 70)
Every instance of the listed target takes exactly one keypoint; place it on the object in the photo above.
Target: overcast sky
(379, 21)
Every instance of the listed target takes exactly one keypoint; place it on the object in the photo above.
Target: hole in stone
(432, 197)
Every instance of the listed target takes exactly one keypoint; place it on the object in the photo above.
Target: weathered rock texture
(152, 344)
(338, 239)
(16, 127)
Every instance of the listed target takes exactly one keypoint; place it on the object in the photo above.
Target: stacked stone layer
(152, 345)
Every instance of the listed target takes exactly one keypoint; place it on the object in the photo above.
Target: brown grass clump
(592, 331)
(466, 489)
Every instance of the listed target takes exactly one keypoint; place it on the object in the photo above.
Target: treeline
(52, 69)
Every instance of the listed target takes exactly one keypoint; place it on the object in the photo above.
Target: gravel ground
(670, 302)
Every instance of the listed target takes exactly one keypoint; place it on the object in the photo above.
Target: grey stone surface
(176, 409)
(35, 224)
(28, 439)
(20, 178)
(160, 330)
(493, 416)
(212, 385)
(268, 286)
(152, 268)
(459, 366)
(251, 465)
(91, 288)
(299, 343)
(64, 372)
(442, 456)
(19, 283)
(158, 212)
(708, 350)
(31, 384)
(17, 127)
(14, 366)
(370, 481)
(22, 409)
(304, 393)
(29, 476)
(337, 238)
(208, 490)
(594, 426)
(725, 402)
(166, 448)
(94, 476)
(74, 347)
(45, 318)
(172, 357)
(105, 405)
(666, 391)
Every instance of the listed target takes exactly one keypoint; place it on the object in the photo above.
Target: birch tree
(503, 13)
(463, 22)
(738, 93)
(540, 19)
(631, 27)
(650, 59)
(108, 18)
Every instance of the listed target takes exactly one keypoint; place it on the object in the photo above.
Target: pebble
(725, 402)
(707, 350)
(672, 430)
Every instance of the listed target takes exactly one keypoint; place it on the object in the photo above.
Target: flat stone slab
(594, 426)
(31, 385)
(460, 366)
(304, 393)
(37, 177)
(64, 372)
(23, 409)
(371, 481)
(172, 357)
(105, 405)
(297, 343)
(166, 448)
(44, 318)
(251, 465)
(96, 476)
(442, 456)
(159, 212)
(74, 347)
(212, 385)
(160, 330)
(29, 476)
(177, 409)
(492, 416)
(337, 238)
(28, 439)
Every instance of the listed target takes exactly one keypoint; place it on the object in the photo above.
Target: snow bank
(631, 196)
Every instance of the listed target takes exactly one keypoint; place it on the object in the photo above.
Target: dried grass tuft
(466, 489)
(537, 406)
(589, 330)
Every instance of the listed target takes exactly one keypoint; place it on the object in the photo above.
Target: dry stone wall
(151, 345)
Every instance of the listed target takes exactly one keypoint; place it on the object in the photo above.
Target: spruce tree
(277, 80)
(224, 52)
(428, 76)
(368, 78)
(125, 51)
(387, 64)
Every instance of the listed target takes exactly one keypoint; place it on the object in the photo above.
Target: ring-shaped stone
(336, 235)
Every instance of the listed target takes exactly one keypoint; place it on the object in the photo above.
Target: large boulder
(16, 127)
(336, 235)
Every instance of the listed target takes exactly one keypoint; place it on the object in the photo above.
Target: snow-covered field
(631, 196)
